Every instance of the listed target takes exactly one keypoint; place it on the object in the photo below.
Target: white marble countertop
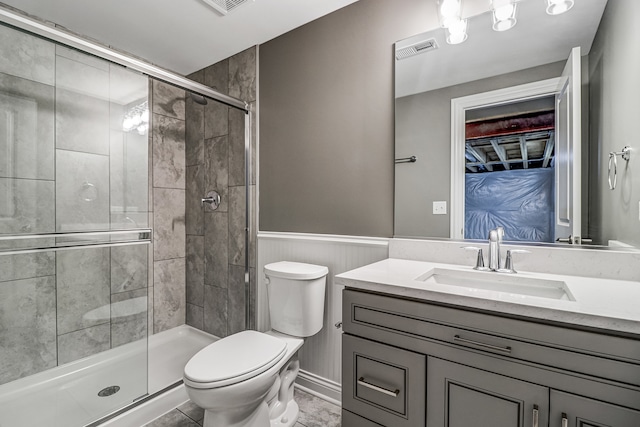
(607, 304)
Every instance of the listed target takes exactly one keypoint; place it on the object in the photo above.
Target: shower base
(67, 396)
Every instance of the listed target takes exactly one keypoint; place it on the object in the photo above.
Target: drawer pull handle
(363, 383)
(565, 420)
(458, 338)
(536, 413)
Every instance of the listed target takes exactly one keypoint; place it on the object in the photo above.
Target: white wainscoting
(320, 357)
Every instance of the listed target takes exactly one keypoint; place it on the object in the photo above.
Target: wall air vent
(225, 6)
(415, 49)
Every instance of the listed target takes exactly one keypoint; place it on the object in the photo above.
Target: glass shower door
(74, 236)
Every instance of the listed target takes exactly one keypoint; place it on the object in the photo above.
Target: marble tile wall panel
(242, 75)
(236, 147)
(26, 266)
(197, 76)
(128, 317)
(169, 223)
(26, 206)
(127, 88)
(216, 76)
(129, 171)
(28, 332)
(194, 193)
(83, 74)
(194, 132)
(27, 141)
(195, 316)
(216, 119)
(215, 311)
(216, 242)
(26, 56)
(82, 58)
(195, 270)
(82, 191)
(83, 343)
(128, 268)
(237, 216)
(236, 296)
(83, 288)
(122, 221)
(169, 298)
(168, 152)
(216, 169)
(168, 100)
(82, 122)
(150, 312)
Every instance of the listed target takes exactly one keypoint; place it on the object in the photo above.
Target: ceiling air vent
(225, 6)
(414, 49)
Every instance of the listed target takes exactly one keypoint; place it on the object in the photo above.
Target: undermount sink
(499, 282)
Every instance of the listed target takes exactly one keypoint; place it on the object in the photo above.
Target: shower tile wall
(168, 182)
(215, 161)
(66, 165)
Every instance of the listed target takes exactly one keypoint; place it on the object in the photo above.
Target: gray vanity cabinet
(569, 410)
(461, 396)
(411, 363)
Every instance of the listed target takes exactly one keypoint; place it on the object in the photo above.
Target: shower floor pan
(67, 396)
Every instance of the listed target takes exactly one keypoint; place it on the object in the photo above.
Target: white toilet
(246, 379)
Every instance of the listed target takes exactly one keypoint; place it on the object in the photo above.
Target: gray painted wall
(423, 129)
(614, 70)
(327, 120)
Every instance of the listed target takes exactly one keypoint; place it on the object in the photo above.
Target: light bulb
(127, 124)
(457, 32)
(145, 116)
(136, 119)
(504, 15)
(448, 12)
(556, 7)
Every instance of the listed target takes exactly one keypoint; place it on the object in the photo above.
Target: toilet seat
(233, 359)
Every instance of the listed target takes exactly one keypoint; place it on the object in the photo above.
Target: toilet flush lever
(213, 199)
(338, 325)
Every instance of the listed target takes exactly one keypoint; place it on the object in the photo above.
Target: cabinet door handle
(536, 414)
(363, 383)
(565, 420)
(458, 338)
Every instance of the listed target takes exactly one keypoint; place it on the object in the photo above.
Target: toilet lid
(239, 356)
(295, 270)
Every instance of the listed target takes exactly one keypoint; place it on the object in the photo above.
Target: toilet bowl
(246, 379)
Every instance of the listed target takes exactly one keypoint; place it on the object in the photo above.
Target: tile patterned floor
(314, 412)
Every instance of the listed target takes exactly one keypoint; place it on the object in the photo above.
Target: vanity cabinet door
(461, 396)
(568, 410)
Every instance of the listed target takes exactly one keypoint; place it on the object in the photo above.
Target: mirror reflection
(515, 128)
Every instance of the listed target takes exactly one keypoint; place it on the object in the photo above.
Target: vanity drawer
(383, 382)
(609, 357)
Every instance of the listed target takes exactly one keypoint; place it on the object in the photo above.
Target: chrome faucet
(495, 240)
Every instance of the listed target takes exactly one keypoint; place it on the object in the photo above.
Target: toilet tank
(296, 297)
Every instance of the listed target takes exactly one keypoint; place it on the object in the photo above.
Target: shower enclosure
(73, 233)
(76, 290)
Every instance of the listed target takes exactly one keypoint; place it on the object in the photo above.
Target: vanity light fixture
(504, 14)
(449, 12)
(457, 32)
(556, 7)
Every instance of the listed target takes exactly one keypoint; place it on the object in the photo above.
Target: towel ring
(613, 158)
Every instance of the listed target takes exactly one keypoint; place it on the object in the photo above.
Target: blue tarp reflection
(521, 201)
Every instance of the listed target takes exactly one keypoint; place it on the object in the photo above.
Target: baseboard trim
(323, 388)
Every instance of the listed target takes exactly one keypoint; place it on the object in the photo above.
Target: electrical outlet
(439, 208)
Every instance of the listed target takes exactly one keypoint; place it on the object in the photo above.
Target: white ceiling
(180, 35)
(536, 39)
